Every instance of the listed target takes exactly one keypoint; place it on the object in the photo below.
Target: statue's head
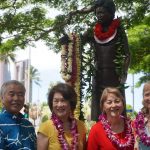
(105, 6)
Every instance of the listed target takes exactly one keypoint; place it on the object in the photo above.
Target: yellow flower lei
(77, 83)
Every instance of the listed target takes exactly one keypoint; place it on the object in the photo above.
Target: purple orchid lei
(129, 138)
(59, 126)
(140, 129)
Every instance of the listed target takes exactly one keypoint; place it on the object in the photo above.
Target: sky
(135, 100)
(48, 64)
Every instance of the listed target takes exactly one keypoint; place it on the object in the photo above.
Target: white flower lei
(67, 56)
(70, 54)
(66, 60)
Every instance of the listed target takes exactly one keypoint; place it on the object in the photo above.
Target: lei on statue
(71, 66)
(70, 59)
(104, 37)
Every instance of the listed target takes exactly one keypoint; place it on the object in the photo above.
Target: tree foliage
(24, 21)
(34, 78)
(139, 37)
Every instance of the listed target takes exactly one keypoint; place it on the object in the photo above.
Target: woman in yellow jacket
(62, 131)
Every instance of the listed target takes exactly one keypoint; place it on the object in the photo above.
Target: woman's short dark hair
(67, 92)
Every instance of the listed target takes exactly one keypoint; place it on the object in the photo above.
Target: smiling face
(13, 98)
(61, 107)
(146, 96)
(113, 106)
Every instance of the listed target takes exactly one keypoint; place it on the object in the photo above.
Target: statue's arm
(87, 36)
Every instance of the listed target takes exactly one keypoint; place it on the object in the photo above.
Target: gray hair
(7, 83)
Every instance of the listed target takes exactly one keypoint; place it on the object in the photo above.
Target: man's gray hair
(7, 83)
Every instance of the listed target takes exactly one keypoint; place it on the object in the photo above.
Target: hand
(64, 40)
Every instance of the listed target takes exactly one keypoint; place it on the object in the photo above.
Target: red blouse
(98, 140)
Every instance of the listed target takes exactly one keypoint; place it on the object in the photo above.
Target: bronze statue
(111, 53)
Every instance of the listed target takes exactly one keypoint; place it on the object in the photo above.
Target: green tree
(24, 21)
(8, 56)
(139, 37)
(130, 112)
(34, 78)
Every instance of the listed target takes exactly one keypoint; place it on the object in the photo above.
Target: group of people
(113, 131)
(62, 131)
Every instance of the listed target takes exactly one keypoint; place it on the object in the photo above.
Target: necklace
(59, 126)
(117, 142)
(106, 36)
(140, 129)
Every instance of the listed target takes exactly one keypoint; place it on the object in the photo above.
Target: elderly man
(16, 132)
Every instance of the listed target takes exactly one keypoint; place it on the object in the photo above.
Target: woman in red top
(113, 131)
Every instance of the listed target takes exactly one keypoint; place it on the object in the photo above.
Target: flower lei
(66, 62)
(140, 129)
(105, 35)
(71, 66)
(69, 56)
(59, 126)
(128, 135)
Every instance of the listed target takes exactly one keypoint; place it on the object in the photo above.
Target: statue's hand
(64, 40)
